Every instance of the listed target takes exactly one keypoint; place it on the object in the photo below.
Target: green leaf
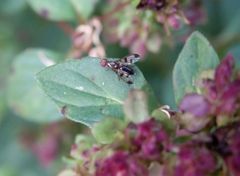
(7, 171)
(196, 56)
(6, 54)
(135, 2)
(12, 7)
(8, 48)
(2, 105)
(56, 10)
(84, 8)
(107, 130)
(24, 96)
(136, 106)
(182, 139)
(86, 91)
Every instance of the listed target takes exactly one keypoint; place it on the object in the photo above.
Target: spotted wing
(130, 59)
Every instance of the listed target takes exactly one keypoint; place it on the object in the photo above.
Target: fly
(123, 67)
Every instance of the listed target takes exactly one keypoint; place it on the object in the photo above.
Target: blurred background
(34, 138)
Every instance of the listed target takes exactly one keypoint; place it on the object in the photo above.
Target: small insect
(122, 67)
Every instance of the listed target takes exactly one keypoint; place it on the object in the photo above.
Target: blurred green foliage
(21, 28)
(22, 86)
(16, 160)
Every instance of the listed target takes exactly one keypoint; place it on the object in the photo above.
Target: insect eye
(136, 55)
(103, 62)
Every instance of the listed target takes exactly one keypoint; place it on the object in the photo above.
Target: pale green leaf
(84, 8)
(136, 106)
(24, 95)
(107, 130)
(86, 92)
(56, 10)
(196, 56)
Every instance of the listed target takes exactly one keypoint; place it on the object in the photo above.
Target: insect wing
(122, 67)
(130, 59)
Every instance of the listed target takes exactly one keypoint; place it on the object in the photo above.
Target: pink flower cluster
(150, 149)
(145, 143)
(219, 100)
(139, 30)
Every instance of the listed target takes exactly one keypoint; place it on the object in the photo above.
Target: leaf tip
(196, 34)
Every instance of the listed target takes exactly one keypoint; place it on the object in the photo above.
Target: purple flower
(226, 90)
(174, 21)
(46, 150)
(121, 164)
(152, 4)
(195, 13)
(233, 161)
(148, 139)
(195, 104)
(226, 142)
(222, 78)
(130, 37)
(194, 159)
(196, 109)
(220, 97)
(223, 73)
(214, 89)
(234, 164)
(139, 46)
(45, 146)
(227, 103)
(210, 90)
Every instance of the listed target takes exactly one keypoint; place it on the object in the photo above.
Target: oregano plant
(133, 134)
(119, 88)
(86, 92)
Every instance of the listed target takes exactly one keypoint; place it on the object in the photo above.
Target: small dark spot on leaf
(101, 110)
(93, 78)
(44, 13)
(129, 82)
(64, 110)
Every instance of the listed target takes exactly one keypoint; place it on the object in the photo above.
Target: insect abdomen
(127, 70)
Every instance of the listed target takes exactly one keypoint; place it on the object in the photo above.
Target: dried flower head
(152, 4)
(148, 139)
(121, 163)
(86, 39)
